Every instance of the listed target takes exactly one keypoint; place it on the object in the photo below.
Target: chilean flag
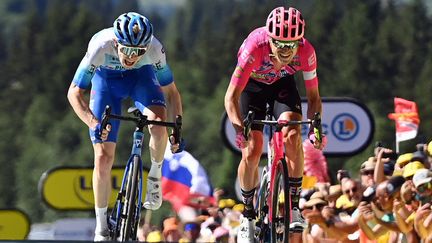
(406, 118)
(185, 182)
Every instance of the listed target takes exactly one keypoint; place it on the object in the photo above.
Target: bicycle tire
(280, 212)
(127, 231)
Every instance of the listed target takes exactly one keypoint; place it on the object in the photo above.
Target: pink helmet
(285, 24)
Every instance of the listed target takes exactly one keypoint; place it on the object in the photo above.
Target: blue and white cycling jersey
(111, 82)
(102, 54)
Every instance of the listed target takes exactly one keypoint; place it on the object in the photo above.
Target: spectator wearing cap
(410, 169)
(386, 192)
(312, 210)
(401, 161)
(191, 232)
(171, 230)
(154, 236)
(404, 211)
(335, 191)
(352, 192)
(422, 181)
(367, 172)
(324, 223)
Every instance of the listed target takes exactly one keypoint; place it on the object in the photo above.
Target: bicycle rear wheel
(128, 228)
(280, 212)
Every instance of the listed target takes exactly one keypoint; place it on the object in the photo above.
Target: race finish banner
(347, 123)
(70, 188)
(14, 224)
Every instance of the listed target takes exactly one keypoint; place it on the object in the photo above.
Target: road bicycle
(124, 217)
(273, 207)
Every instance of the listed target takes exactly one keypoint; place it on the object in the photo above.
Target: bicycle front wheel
(128, 227)
(280, 211)
(262, 209)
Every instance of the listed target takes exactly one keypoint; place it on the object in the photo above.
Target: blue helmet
(133, 29)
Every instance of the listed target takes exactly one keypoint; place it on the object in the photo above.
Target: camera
(368, 194)
(392, 156)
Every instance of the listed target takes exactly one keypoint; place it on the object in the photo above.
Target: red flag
(406, 118)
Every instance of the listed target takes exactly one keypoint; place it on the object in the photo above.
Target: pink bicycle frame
(277, 150)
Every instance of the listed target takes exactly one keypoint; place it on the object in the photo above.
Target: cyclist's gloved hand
(240, 141)
(100, 134)
(316, 143)
(177, 147)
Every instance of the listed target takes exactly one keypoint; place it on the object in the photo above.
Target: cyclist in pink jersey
(267, 61)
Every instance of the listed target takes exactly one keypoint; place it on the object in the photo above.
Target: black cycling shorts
(281, 95)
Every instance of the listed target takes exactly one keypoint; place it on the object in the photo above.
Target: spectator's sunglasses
(352, 189)
(367, 172)
(132, 50)
(318, 206)
(285, 44)
(424, 187)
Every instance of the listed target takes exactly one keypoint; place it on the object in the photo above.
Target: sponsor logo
(158, 65)
(92, 69)
(14, 225)
(156, 101)
(138, 143)
(72, 189)
(311, 59)
(345, 126)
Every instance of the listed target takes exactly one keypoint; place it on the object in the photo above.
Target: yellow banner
(14, 225)
(69, 188)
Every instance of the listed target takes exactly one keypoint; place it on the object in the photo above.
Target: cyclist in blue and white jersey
(124, 61)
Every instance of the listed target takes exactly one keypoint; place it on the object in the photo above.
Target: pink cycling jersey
(254, 62)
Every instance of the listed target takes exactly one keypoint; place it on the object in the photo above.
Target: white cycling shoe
(246, 231)
(298, 224)
(101, 236)
(153, 199)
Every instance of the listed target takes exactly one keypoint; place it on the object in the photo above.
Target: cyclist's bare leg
(248, 170)
(293, 145)
(248, 167)
(103, 160)
(157, 145)
(158, 134)
(294, 157)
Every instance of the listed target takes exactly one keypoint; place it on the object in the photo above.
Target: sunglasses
(368, 172)
(424, 187)
(318, 207)
(132, 50)
(353, 190)
(285, 44)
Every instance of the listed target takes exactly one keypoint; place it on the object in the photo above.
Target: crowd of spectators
(218, 223)
(390, 201)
